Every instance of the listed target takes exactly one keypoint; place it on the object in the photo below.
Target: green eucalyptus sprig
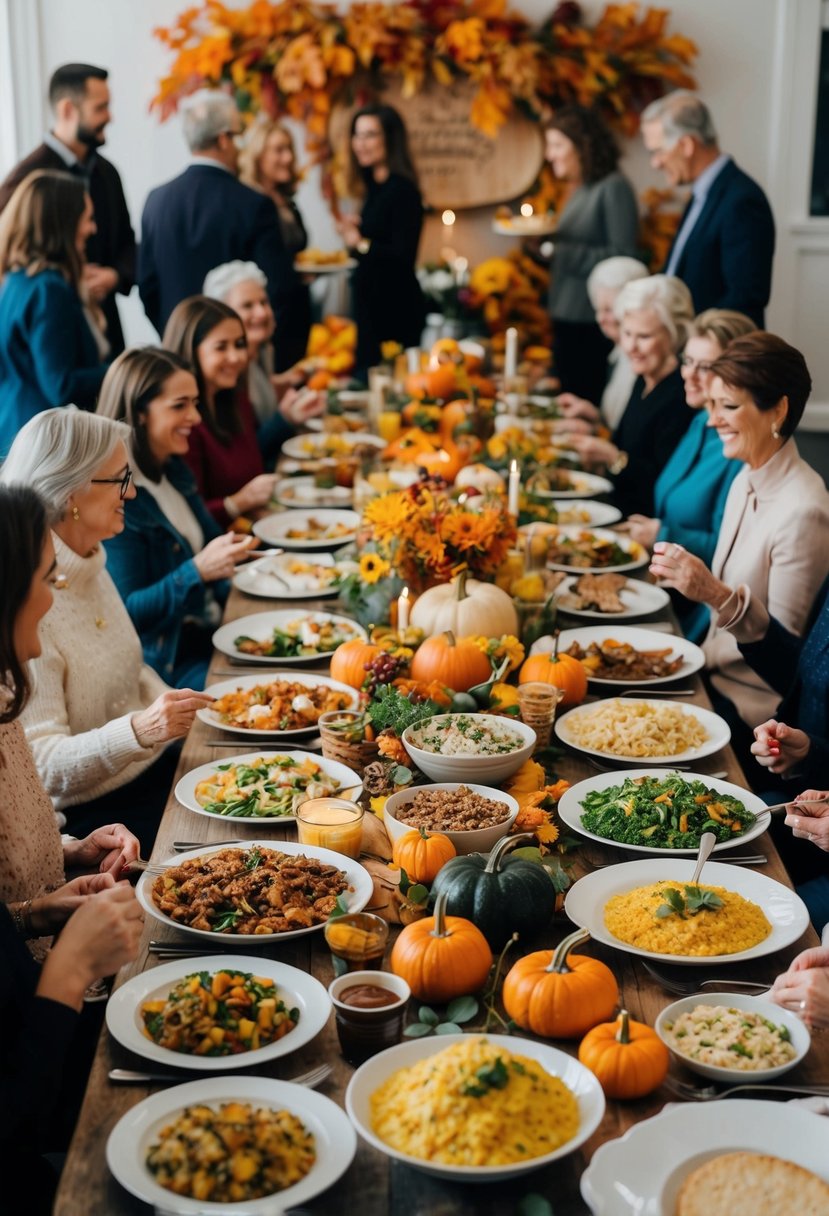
(462, 1009)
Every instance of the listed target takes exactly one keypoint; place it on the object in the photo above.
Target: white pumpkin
(466, 608)
(479, 477)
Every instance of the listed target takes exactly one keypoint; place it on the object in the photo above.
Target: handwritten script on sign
(458, 166)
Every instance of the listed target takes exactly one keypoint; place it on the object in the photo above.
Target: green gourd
(501, 895)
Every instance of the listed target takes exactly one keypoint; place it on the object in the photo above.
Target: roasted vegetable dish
(664, 813)
(306, 637)
(611, 660)
(268, 787)
(586, 550)
(219, 1014)
(281, 705)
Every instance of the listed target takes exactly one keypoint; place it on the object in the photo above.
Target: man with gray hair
(724, 246)
(205, 217)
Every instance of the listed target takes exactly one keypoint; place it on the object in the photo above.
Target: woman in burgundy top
(224, 455)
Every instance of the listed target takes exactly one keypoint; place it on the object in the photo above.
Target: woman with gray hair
(654, 316)
(99, 719)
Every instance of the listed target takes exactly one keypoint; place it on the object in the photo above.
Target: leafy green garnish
(462, 1009)
(489, 1076)
(253, 859)
(390, 709)
(695, 899)
(227, 920)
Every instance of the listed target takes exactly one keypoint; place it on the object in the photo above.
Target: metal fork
(129, 1076)
(708, 1093)
(688, 987)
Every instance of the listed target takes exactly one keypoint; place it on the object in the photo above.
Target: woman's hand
(109, 848)
(642, 528)
(593, 450)
(804, 988)
(779, 747)
(220, 556)
(297, 407)
(810, 821)
(571, 426)
(99, 937)
(348, 227)
(572, 406)
(255, 494)
(169, 717)
(678, 568)
(49, 912)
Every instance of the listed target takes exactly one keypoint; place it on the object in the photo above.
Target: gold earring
(76, 515)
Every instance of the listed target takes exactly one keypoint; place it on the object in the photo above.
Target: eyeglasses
(693, 366)
(122, 482)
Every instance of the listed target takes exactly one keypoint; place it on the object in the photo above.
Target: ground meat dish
(458, 810)
(249, 891)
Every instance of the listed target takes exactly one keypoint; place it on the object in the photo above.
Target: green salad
(664, 813)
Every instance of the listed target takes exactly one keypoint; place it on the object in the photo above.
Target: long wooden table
(373, 1184)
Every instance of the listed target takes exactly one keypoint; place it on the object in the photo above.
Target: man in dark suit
(724, 246)
(79, 97)
(205, 217)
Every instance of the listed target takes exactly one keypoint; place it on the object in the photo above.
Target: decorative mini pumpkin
(456, 662)
(501, 895)
(560, 995)
(628, 1058)
(348, 662)
(441, 957)
(467, 607)
(479, 477)
(560, 670)
(422, 855)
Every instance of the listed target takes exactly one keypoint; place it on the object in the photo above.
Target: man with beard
(79, 98)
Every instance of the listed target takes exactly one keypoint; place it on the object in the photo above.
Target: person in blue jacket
(690, 492)
(51, 347)
(171, 562)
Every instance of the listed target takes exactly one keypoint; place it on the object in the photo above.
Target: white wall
(752, 55)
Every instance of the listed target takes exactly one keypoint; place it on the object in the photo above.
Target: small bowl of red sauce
(370, 1008)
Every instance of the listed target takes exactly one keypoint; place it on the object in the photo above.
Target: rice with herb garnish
(474, 1104)
(696, 925)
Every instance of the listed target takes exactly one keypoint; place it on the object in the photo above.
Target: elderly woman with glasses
(99, 720)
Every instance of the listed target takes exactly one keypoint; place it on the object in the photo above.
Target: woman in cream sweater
(99, 719)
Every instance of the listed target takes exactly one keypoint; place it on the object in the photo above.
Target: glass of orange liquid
(331, 823)
(389, 425)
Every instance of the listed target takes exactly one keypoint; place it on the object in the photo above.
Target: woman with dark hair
(99, 922)
(50, 347)
(171, 560)
(387, 301)
(598, 221)
(773, 545)
(224, 454)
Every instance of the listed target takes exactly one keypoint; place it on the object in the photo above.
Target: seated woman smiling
(99, 719)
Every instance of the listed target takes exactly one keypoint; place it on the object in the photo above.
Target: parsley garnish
(489, 1076)
(695, 899)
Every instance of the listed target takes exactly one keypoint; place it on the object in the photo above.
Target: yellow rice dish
(734, 926)
(474, 1104)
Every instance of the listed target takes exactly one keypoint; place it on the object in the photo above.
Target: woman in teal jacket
(690, 492)
(49, 352)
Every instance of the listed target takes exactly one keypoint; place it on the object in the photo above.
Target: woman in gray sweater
(598, 221)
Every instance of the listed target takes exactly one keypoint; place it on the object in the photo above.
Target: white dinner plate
(581, 1082)
(640, 1173)
(303, 492)
(524, 225)
(260, 627)
(584, 485)
(716, 728)
(296, 989)
(133, 1135)
(315, 447)
(274, 577)
(210, 716)
(639, 599)
(641, 639)
(186, 786)
(354, 421)
(570, 809)
(358, 878)
(637, 554)
(325, 267)
(785, 910)
(599, 514)
(274, 529)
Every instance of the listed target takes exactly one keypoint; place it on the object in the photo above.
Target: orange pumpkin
(456, 662)
(348, 662)
(560, 995)
(453, 415)
(422, 855)
(441, 957)
(441, 380)
(628, 1058)
(560, 670)
(445, 461)
(411, 445)
(418, 413)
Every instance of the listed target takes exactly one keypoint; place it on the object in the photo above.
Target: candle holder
(538, 703)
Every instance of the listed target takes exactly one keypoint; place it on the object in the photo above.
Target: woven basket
(337, 746)
(538, 703)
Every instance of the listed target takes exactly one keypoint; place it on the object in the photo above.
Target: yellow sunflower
(465, 531)
(388, 515)
(373, 567)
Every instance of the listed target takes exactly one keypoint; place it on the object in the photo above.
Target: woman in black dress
(387, 301)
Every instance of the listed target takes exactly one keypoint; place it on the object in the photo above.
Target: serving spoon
(706, 845)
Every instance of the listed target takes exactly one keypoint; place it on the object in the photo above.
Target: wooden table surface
(374, 1185)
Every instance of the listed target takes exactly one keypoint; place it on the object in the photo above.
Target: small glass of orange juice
(331, 823)
(389, 425)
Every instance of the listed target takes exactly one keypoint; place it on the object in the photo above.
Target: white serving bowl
(472, 840)
(465, 768)
(800, 1037)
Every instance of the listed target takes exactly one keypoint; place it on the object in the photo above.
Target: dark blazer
(152, 566)
(114, 242)
(48, 356)
(726, 262)
(199, 220)
(649, 430)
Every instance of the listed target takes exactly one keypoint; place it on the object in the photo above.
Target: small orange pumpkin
(560, 670)
(441, 957)
(628, 1058)
(348, 662)
(422, 855)
(560, 995)
(446, 461)
(458, 663)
